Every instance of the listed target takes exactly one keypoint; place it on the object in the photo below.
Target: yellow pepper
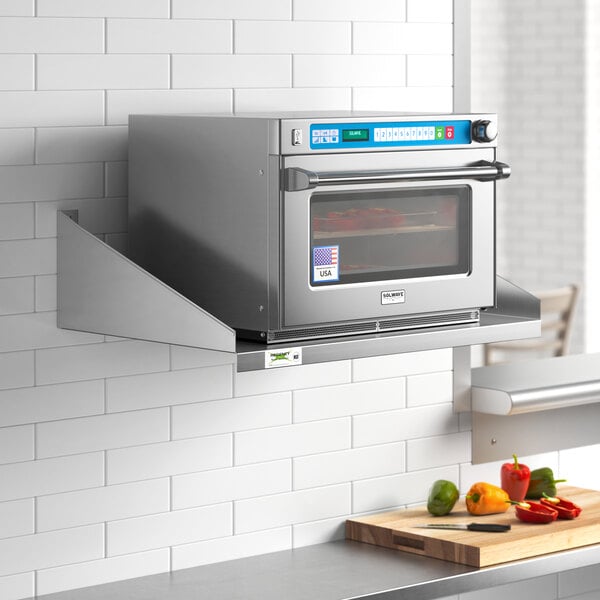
(486, 499)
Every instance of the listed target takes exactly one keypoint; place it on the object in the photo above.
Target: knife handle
(497, 527)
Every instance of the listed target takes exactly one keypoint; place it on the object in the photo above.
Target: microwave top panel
(345, 131)
(385, 133)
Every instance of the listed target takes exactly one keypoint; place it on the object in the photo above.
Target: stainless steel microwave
(297, 227)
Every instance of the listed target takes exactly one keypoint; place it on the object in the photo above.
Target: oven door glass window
(390, 234)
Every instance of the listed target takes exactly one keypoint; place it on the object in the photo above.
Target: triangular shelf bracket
(100, 290)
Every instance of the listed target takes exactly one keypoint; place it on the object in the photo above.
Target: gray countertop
(341, 570)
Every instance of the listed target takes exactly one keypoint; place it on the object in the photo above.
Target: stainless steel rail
(506, 400)
(297, 179)
(536, 385)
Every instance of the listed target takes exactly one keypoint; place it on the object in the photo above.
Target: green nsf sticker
(283, 357)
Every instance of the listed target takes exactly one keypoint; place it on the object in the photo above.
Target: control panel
(336, 136)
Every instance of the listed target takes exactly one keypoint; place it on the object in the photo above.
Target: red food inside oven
(359, 218)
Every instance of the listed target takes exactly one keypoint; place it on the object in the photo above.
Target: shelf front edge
(515, 316)
(101, 291)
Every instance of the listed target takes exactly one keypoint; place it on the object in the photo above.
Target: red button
(449, 132)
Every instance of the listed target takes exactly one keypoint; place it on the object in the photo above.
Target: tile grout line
(105, 35)
(234, 95)
(105, 91)
(105, 540)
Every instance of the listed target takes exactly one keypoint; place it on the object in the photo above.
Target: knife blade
(493, 527)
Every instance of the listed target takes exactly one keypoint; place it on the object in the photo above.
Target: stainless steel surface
(305, 304)
(101, 291)
(535, 385)
(374, 325)
(200, 211)
(297, 179)
(507, 399)
(334, 571)
(494, 437)
(209, 218)
(515, 316)
(461, 380)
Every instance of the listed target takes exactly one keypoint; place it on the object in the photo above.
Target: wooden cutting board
(396, 530)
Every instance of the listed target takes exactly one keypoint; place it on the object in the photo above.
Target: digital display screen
(355, 135)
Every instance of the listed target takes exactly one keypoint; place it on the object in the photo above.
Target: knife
(495, 527)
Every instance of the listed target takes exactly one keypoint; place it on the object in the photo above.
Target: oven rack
(349, 233)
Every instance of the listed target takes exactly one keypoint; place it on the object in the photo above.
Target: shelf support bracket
(101, 291)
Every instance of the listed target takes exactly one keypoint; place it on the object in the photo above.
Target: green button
(439, 133)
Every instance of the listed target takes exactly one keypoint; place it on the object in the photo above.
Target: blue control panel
(379, 134)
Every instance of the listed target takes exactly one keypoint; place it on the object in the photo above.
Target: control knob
(484, 131)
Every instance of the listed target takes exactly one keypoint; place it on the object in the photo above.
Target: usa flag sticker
(326, 263)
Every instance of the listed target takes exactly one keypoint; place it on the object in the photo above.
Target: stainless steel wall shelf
(506, 401)
(534, 385)
(102, 291)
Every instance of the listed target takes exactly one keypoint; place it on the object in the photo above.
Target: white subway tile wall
(16, 72)
(16, 444)
(16, 145)
(16, 221)
(51, 549)
(15, 587)
(232, 547)
(16, 518)
(128, 536)
(122, 458)
(16, 294)
(105, 570)
(70, 509)
(102, 8)
(403, 38)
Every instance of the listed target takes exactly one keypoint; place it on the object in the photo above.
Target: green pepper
(542, 482)
(442, 497)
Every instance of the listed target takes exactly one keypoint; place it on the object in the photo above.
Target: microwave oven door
(381, 235)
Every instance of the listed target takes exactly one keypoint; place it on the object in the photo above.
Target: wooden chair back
(557, 307)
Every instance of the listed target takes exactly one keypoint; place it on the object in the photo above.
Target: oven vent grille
(430, 320)
(412, 322)
(320, 332)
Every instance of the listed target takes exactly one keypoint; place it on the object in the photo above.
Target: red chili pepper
(514, 479)
(534, 512)
(565, 508)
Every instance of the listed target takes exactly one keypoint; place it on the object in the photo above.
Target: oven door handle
(297, 179)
